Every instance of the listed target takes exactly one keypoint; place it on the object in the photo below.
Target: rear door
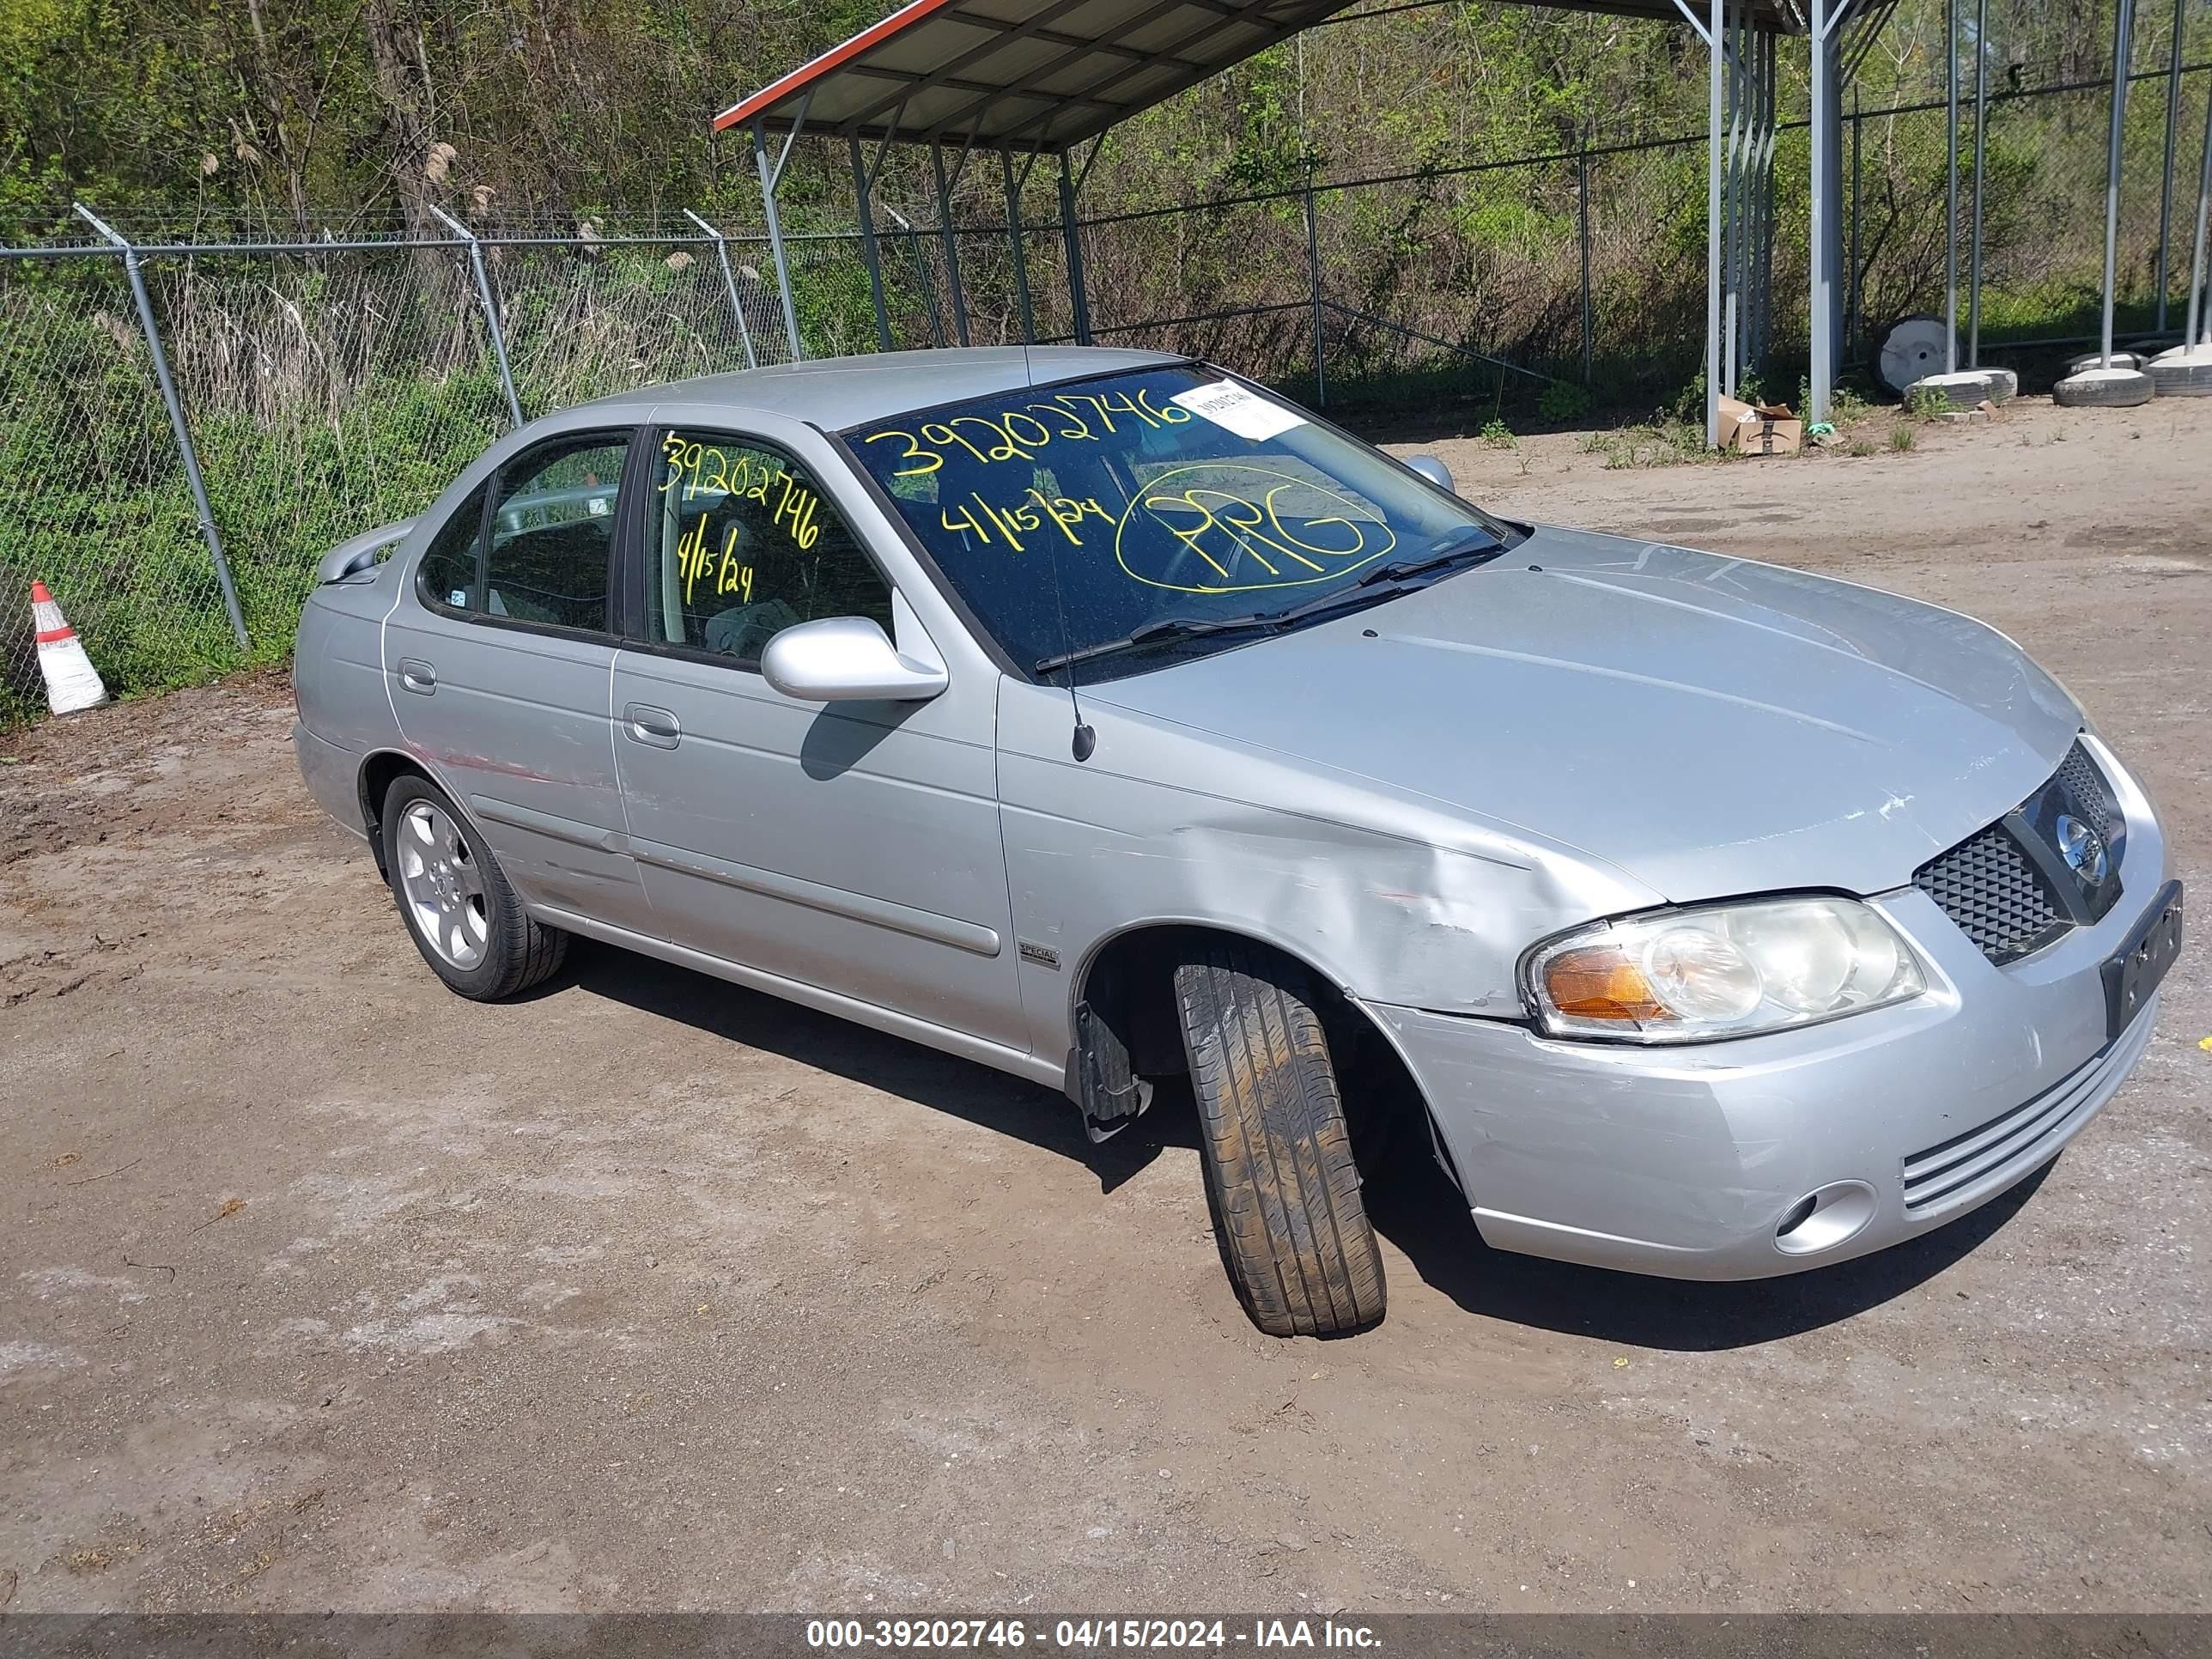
(500, 658)
(852, 847)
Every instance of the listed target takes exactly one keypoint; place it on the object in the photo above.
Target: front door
(852, 847)
(500, 661)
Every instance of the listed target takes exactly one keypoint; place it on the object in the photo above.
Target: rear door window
(552, 531)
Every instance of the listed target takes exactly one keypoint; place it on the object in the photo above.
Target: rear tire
(461, 912)
(1279, 1167)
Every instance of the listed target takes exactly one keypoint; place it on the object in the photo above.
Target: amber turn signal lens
(1598, 982)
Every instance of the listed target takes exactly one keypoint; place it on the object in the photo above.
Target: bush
(1561, 402)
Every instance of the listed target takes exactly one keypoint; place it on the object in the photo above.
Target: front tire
(1271, 1137)
(461, 912)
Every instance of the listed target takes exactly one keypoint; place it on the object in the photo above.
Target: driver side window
(741, 544)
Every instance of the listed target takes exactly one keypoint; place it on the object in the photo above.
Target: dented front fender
(1392, 898)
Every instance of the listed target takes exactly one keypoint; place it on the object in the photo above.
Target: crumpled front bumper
(1686, 1162)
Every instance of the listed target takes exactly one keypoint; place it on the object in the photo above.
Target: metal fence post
(1716, 45)
(2124, 19)
(2165, 168)
(185, 452)
(1313, 271)
(1581, 197)
(1951, 188)
(771, 175)
(1981, 160)
(729, 281)
(2197, 311)
(1854, 286)
(922, 278)
(491, 308)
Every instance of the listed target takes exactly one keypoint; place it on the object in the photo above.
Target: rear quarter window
(447, 578)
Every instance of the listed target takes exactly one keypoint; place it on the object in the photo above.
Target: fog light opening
(1825, 1217)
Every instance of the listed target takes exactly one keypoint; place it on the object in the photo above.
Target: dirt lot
(323, 1287)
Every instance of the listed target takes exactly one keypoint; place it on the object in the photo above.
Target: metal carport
(1028, 80)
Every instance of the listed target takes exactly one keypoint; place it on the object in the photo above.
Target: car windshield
(1102, 525)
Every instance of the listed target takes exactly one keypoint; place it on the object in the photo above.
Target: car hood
(1708, 726)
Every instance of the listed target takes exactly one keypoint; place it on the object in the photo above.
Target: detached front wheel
(1272, 1136)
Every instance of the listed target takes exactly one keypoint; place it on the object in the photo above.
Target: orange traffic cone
(72, 683)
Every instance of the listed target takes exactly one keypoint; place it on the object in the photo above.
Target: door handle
(655, 727)
(417, 676)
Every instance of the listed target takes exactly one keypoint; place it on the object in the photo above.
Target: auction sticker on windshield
(1243, 411)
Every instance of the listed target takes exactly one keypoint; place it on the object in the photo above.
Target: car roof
(834, 393)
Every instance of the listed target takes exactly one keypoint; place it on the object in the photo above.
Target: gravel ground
(325, 1288)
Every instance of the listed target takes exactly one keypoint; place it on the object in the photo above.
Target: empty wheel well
(1129, 986)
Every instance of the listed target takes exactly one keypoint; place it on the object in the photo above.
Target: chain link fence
(329, 388)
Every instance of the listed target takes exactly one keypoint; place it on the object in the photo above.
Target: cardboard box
(1760, 429)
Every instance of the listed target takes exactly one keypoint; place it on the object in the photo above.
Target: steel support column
(1733, 199)
(863, 190)
(2200, 310)
(1951, 187)
(2124, 19)
(1824, 226)
(1715, 54)
(1014, 236)
(1313, 274)
(178, 428)
(2166, 169)
(1766, 197)
(950, 241)
(1071, 234)
(1981, 158)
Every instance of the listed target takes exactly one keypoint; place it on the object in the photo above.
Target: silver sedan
(1104, 718)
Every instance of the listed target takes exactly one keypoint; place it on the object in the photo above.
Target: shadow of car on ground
(1414, 1205)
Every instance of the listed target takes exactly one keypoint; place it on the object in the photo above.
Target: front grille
(2079, 777)
(1986, 885)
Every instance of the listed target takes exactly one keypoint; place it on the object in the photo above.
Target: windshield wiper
(1160, 628)
(1392, 576)
(1395, 575)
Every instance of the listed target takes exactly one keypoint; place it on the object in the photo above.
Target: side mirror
(847, 660)
(1434, 471)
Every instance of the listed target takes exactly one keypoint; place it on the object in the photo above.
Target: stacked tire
(2185, 372)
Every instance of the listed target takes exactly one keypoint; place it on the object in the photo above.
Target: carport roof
(1019, 75)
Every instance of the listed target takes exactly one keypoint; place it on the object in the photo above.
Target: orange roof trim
(777, 91)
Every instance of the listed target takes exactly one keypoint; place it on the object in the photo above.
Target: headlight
(1719, 971)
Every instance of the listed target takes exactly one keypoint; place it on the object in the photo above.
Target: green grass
(1662, 442)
